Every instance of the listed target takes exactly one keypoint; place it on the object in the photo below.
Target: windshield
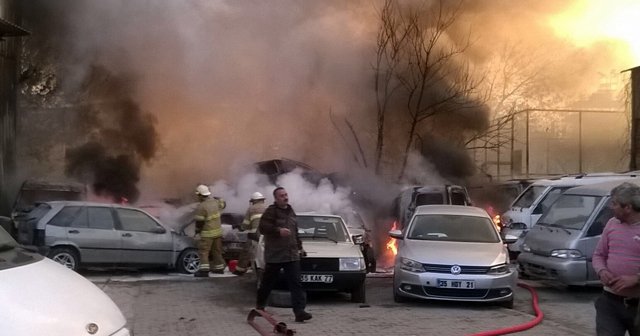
(530, 195)
(459, 228)
(322, 227)
(570, 211)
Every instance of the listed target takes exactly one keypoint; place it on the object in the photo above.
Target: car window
(13, 256)
(430, 198)
(134, 220)
(100, 218)
(529, 196)
(459, 228)
(570, 211)
(329, 227)
(601, 220)
(458, 198)
(548, 199)
(73, 216)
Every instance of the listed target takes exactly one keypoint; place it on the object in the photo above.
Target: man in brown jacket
(282, 251)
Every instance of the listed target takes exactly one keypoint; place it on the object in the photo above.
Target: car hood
(450, 253)
(543, 239)
(329, 249)
(57, 302)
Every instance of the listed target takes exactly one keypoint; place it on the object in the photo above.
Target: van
(41, 297)
(561, 245)
(405, 204)
(538, 197)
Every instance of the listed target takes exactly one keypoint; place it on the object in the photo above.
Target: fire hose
(523, 326)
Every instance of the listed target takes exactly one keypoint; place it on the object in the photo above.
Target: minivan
(538, 197)
(410, 198)
(561, 245)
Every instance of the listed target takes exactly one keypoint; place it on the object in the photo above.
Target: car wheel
(188, 262)
(507, 304)
(65, 256)
(359, 294)
(370, 259)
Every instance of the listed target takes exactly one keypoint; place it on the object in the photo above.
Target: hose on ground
(519, 327)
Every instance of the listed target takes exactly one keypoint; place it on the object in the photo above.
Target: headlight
(567, 254)
(411, 265)
(352, 264)
(499, 269)
(525, 248)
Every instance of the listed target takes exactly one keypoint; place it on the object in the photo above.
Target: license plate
(316, 278)
(456, 284)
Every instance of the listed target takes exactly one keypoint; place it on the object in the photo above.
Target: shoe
(201, 274)
(238, 273)
(301, 317)
(217, 271)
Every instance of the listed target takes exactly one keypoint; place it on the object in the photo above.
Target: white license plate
(456, 284)
(316, 278)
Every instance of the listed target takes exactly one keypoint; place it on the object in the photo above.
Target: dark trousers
(291, 275)
(615, 315)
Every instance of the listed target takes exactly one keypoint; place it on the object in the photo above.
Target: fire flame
(392, 244)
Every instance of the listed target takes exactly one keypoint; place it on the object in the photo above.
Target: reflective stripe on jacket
(252, 217)
(208, 211)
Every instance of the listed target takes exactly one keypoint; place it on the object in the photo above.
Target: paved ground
(181, 305)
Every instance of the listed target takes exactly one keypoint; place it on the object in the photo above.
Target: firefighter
(209, 231)
(250, 225)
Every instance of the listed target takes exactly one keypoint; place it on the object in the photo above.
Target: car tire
(370, 259)
(65, 256)
(507, 304)
(188, 262)
(359, 294)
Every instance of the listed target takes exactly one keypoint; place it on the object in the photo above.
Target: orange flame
(392, 244)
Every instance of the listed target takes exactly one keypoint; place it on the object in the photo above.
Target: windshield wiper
(6, 247)
(560, 227)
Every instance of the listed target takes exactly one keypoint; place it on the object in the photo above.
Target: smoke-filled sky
(232, 82)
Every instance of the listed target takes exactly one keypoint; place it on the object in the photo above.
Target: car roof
(87, 203)
(311, 213)
(600, 189)
(446, 209)
(583, 179)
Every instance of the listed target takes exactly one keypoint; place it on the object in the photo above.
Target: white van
(538, 197)
(42, 297)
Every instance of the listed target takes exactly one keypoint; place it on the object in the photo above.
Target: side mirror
(358, 239)
(159, 229)
(510, 239)
(397, 234)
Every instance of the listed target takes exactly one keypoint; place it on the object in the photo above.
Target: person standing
(209, 230)
(250, 225)
(282, 251)
(616, 260)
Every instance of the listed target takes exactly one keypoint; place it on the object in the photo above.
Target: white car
(334, 260)
(42, 297)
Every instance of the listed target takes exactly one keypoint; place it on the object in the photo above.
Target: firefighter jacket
(278, 249)
(208, 211)
(252, 217)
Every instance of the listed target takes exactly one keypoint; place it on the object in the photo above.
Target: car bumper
(567, 271)
(487, 288)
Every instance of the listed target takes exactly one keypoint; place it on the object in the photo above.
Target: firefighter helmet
(256, 196)
(203, 190)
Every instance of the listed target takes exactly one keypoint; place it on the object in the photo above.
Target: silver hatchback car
(454, 253)
(79, 234)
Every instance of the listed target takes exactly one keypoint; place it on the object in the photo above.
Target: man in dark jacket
(282, 250)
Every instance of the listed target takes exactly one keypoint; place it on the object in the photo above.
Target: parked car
(410, 198)
(334, 262)
(560, 246)
(79, 234)
(452, 252)
(527, 209)
(33, 191)
(357, 227)
(41, 297)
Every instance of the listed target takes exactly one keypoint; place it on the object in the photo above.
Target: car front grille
(541, 252)
(319, 264)
(456, 293)
(435, 268)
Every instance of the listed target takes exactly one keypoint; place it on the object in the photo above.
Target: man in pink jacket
(616, 260)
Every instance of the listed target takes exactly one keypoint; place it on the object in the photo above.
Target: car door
(144, 240)
(588, 244)
(91, 229)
